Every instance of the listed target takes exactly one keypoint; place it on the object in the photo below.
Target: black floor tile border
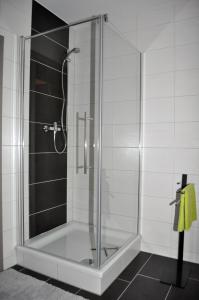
(122, 289)
(34, 274)
(142, 288)
(64, 286)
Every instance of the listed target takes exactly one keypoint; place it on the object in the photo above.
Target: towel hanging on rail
(187, 208)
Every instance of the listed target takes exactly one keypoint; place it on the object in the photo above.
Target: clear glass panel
(64, 227)
(120, 142)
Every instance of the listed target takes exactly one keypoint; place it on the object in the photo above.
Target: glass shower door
(83, 138)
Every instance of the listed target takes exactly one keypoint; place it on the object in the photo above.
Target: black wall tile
(43, 20)
(48, 52)
(44, 167)
(46, 195)
(46, 80)
(45, 109)
(47, 220)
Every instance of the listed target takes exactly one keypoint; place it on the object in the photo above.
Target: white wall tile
(158, 110)
(126, 159)
(186, 134)
(187, 82)
(187, 57)
(118, 67)
(158, 61)
(187, 161)
(126, 112)
(157, 185)
(9, 215)
(120, 89)
(107, 158)
(187, 31)
(158, 160)
(186, 109)
(120, 204)
(9, 242)
(124, 182)
(158, 233)
(126, 135)
(107, 136)
(159, 86)
(107, 112)
(158, 134)
(156, 209)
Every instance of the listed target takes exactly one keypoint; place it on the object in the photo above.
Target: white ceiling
(121, 12)
(131, 17)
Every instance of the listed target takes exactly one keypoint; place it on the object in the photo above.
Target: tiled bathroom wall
(170, 121)
(1, 93)
(47, 169)
(15, 19)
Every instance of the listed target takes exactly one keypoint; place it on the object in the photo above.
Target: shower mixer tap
(54, 128)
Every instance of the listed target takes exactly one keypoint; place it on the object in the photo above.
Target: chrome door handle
(85, 144)
(84, 119)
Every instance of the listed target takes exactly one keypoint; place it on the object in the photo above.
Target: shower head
(74, 50)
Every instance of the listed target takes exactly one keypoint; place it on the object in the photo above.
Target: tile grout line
(134, 277)
(47, 66)
(52, 40)
(41, 211)
(194, 279)
(157, 279)
(166, 297)
(77, 291)
(47, 95)
(47, 181)
(123, 280)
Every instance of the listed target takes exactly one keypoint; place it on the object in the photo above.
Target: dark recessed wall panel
(48, 52)
(44, 221)
(46, 167)
(46, 80)
(41, 141)
(43, 20)
(54, 191)
(45, 108)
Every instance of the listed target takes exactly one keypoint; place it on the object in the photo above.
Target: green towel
(188, 211)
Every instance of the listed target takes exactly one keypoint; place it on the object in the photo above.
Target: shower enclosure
(91, 237)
